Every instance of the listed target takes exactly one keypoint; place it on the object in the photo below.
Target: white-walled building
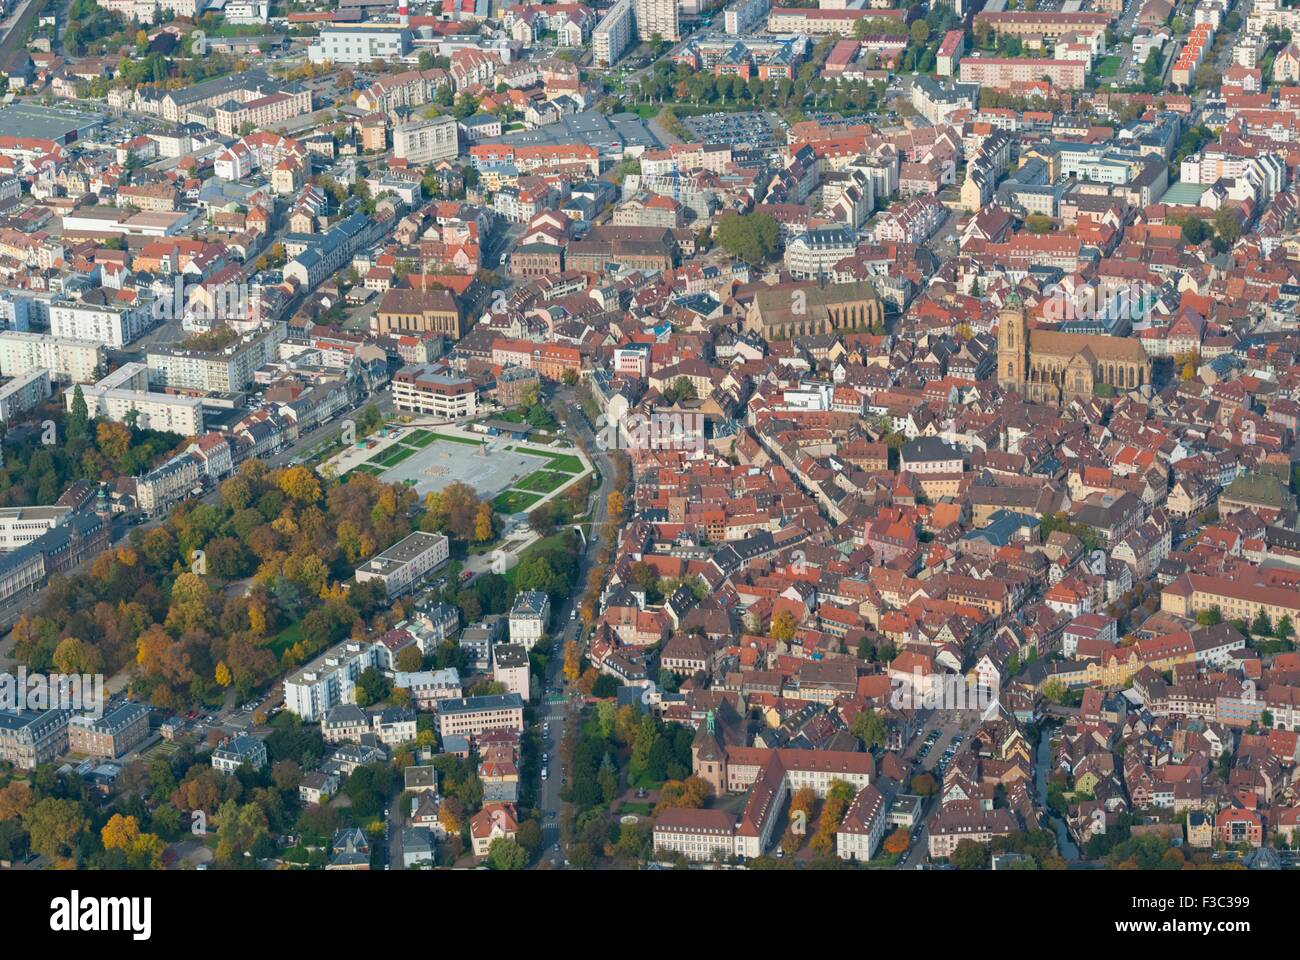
(312, 690)
(406, 562)
(528, 618)
(68, 361)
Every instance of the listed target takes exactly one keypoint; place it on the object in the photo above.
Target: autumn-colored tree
(300, 484)
(572, 661)
(783, 627)
(690, 794)
(15, 797)
(409, 659)
(222, 676)
(897, 842)
(75, 656)
(113, 439)
(55, 827)
(120, 833)
(483, 523)
(615, 505)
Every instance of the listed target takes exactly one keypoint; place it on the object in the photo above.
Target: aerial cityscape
(649, 435)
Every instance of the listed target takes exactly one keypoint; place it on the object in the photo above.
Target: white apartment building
(613, 35)
(528, 618)
(25, 392)
(744, 16)
(109, 325)
(657, 18)
(68, 361)
(406, 562)
(126, 390)
(224, 371)
(426, 141)
(863, 826)
(330, 679)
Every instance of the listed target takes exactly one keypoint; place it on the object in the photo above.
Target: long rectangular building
(1001, 73)
(406, 562)
(1046, 24)
(67, 360)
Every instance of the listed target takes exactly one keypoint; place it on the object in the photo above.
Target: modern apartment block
(406, 562)
(327, 681)
(426, 141)
(23, 393)
(68, 361)
(110, 325)
(613, 35)
(657, 18)
(126, 389)
(219, 371)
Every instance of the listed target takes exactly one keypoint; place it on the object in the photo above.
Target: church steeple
(1013, 347)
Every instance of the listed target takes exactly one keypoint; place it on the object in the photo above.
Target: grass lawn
(285, 639)
(544, 481)
(369, 468)
(514, 501)
(392, 456)
(450, 439)
(420, 439)
(564, 462)
(1109, 66)
(556, 541)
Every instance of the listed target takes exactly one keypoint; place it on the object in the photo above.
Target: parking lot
(754, 128)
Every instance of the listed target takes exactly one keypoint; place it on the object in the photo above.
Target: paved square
(445, 462)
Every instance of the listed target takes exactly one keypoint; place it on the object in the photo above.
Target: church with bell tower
(1047, 366)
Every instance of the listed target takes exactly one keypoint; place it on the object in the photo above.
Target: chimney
(403, 13)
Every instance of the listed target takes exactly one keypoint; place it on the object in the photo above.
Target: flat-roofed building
(24, 393)
(426, 141)
(19, 526)
(420, 389)
(68, 361)
(315, 688)
(406, 562)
